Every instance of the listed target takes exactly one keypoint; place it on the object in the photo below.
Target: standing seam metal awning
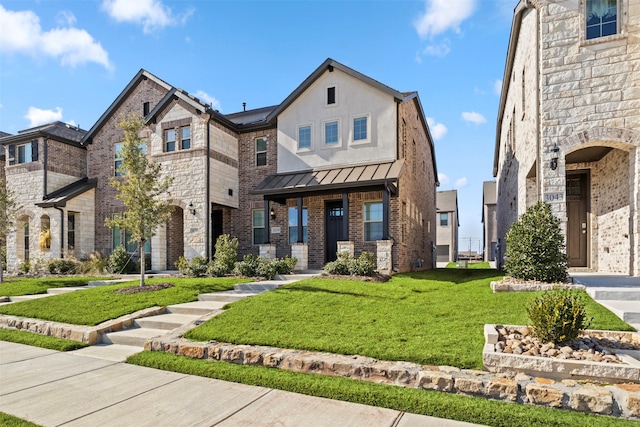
(337, 179)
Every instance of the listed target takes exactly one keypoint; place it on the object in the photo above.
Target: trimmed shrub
(284, 265)
(95, 264)
(120, 261)
(535, 246)
(558, 316)
(63, 266)
(248, 267)
(226, 254)
(197, 267)
(340, 266)
(267, 269)
(346, 265)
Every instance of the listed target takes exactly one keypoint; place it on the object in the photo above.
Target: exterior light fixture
(554, 158)
(272, 214)
(192, 209)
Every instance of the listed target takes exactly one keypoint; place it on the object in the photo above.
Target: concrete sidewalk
(50, 388)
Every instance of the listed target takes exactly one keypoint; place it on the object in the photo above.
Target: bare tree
(8, 209)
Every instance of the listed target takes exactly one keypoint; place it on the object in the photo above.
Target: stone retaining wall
(622, 400)
(91, 335)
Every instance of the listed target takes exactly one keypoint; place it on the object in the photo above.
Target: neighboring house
(47, 171)
(568, 131)
(343, 164)
(489, 225)
(3, 158)
(447, 226)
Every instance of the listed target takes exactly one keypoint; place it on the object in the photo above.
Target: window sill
(602, 40)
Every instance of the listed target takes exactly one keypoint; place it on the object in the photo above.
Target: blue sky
(68, 60)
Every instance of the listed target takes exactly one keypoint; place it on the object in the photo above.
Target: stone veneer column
(300, 251)
(383, 250)
(268, 251)
(159, 249)
(634, 183)
(346, 246)
(554, 186)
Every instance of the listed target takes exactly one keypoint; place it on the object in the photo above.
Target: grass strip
(16, 286)
(432, 403)
(431, 318)
(37, 340)
(93, 306)
(7, 420)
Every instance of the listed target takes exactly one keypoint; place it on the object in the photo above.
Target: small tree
(140, 188)
(535, 246)
(8, 209)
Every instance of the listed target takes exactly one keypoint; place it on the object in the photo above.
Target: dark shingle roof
(59, 131)
(447, 201)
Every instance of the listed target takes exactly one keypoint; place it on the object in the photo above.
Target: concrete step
(257, 287)
(198, 308)
(134, 336)
(615, 294)
(230, 296)
(58, 291)
(166, 322)
(629, 311)
(113, 352)
(28, 297)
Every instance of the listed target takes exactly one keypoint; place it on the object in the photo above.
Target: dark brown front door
(216, 228)
(577, 228)
(334, 215)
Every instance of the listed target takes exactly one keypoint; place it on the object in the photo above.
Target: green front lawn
(432, 318)
(425, 402)
(37, 340)
(96, 305)
(15, 286)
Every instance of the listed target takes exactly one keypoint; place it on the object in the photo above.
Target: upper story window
(601, 18)
(331, 133)
(261, 151)
(169, 140)
(117, 156)
(360, 128)
(331, 95)
(444, 219)
(304, 137)
(185, 137)
(23, 153)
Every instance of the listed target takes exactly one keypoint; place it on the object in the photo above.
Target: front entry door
(577, 229)
(216, 228)
(334, 215)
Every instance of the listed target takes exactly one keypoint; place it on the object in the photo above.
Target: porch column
(159, 250)
(300, 251)
(385, 213)
(300, 238)
(347, 246)
(345, 217)
(267, 219)
(268, 251)
(384, 262)
(634, 217)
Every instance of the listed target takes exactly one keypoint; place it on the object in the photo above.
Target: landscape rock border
(509, 284)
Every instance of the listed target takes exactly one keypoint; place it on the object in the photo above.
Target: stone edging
(87, 334)
(501, 286)
(617, 400)
(558, 369)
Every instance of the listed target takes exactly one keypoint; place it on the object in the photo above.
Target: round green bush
(558, 316)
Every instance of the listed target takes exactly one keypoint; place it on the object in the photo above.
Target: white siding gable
(354, 98)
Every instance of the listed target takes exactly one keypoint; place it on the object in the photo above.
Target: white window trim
(324, 139)
(621, 33)
(254, 227)
(352, 129)
(266, 151)
(311, 145)
(326, 97)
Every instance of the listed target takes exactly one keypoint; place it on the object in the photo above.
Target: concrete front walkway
(50, 388)
(617, 292)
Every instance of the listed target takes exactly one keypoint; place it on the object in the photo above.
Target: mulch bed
(146, 288)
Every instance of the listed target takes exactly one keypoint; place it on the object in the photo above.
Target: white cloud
(72, 46)
(65, 18)
(440, 50)
(461, 182)
(473, 117)
(443, 15)
(497, 87)
(204, 96)
(36, 116)
(151, 14)
(443, 179)
(438, 130)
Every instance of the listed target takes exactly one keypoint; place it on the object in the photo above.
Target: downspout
(45, 155)
(538, 86)
(207, 208)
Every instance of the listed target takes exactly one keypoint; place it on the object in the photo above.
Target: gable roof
(59, 198)
(140, 75)
(63, 132)
(330, 65)
(447, 201)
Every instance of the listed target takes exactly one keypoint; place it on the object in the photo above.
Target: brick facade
(576, 100)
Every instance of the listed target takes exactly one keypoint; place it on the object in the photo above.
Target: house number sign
(553, 197)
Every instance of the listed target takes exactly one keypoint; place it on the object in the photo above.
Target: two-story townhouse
(568, 130)
(447, 224)
(355, 171)
(489, 223)
(194, 144)
(46, 171)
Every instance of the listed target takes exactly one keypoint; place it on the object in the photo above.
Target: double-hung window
(293, 225)
(360, 129)
(261, 151)
(185, 137)
(24, 153)
(117, 158)
(304, 137)
(258, 225)
(331, 133)
(444, 219)
(372, 221)
(169, 140)
(601, 18)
